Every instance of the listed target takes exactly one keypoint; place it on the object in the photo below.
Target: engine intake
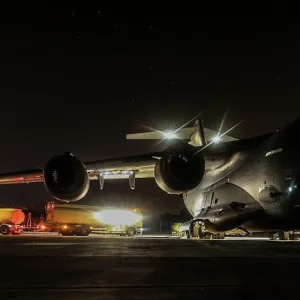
(66, 178)
(180, 169)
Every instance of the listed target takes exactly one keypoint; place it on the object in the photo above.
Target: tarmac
(50, 266)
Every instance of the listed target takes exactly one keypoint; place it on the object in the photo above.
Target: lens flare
(117, 217)
(169, 135)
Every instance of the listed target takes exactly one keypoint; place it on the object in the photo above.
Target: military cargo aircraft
(227, 184)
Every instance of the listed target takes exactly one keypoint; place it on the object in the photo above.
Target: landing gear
(218, 236)
(292, 235)
(221, 236)
(197, 230)
(282, 235)
(188, 235)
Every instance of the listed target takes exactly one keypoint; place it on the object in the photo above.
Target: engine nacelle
(180, 169)
(66, 178)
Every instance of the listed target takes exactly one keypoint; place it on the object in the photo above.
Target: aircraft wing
(26, 176)
(67, 178)
(141, 165)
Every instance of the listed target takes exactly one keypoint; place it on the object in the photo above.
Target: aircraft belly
(225, 207)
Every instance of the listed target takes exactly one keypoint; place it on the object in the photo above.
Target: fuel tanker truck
(81, 220)
(11, 220)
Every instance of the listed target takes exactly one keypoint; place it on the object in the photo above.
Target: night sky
(79, 77)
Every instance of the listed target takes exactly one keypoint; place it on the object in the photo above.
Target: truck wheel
(4, 229)
(83, 233)
(67, 233)
(131, 231)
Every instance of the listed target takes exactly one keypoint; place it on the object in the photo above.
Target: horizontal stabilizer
(183, 134)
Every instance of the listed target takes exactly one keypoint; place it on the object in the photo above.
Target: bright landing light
(117, 217)
(170, 135)
(216, 139)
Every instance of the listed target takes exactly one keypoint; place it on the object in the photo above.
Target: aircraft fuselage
(252, 184)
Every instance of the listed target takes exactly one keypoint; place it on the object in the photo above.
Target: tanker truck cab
(11, 220)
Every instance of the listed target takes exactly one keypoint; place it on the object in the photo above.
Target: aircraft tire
(284, 235)
(292, 236)
(221, 236)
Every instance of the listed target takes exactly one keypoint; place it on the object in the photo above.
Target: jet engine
(66, 178)
(180, 169)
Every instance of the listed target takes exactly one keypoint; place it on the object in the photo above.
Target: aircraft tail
(197, 135)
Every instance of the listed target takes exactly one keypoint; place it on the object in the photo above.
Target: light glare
(170, 135)
(216, 139)
(117, 217)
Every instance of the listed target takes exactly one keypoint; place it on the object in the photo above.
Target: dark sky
(79, 77)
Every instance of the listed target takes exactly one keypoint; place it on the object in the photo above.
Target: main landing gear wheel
(282, 235)
(194, 231)
(221, 236)
(188, 235)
